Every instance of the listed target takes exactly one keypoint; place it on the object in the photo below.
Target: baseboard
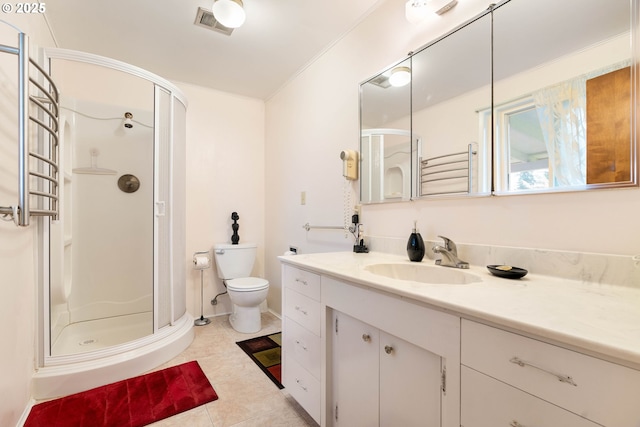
(25, 413)
(278, 315)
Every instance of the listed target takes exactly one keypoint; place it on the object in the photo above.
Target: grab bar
(323, 227)
(38, 171)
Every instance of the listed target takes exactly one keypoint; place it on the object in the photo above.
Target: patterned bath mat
(265, 352)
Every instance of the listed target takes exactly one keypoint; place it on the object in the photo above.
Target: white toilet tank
(235, 261)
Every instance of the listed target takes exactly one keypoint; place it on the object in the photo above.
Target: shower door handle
(160, 209)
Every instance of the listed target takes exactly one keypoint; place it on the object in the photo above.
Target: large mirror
(544, 98)
(450, 105)
(385, 145)
(563, 95)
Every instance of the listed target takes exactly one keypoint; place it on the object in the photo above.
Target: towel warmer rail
(448, 168)
(38, 158)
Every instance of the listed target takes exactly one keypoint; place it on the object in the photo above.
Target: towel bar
(38, 170)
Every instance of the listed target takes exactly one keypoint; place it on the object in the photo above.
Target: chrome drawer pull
(388, 349)
(304, 282)
(301, 345)
(301, 310)
(300, 384)
(562, 378)
(366, 337)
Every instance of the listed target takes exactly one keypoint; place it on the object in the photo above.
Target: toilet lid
(247, 284)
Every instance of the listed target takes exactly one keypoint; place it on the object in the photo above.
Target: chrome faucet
(449, 254)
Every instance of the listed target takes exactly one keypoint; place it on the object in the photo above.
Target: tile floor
(246, 396)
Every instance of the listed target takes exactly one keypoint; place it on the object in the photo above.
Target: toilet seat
(247, 284)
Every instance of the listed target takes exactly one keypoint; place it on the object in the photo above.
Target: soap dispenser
(415, 245)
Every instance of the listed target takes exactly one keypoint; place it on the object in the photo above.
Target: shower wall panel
(112, 230)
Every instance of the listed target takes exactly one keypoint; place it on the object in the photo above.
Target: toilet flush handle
(220, 251)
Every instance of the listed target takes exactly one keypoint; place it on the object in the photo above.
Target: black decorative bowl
(507, 271)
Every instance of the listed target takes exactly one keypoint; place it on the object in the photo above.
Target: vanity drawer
(487, 402)
(304, 388)
(303, 310)
(303, 281)
(303, 346)
(595, 389)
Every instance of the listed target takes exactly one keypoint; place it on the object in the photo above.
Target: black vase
(415, 247)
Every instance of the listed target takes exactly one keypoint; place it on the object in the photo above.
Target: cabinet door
(410, 384)
(355, 373)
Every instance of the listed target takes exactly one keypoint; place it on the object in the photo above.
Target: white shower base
(71, 373)
(101, 333)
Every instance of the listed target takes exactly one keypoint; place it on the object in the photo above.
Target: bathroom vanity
(373, 339)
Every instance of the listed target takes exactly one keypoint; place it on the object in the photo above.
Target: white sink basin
(418, 272)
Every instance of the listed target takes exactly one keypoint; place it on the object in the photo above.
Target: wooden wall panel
(609, 127)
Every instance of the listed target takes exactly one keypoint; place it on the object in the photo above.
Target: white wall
(316, 115)
(17, 246)
(225, 174)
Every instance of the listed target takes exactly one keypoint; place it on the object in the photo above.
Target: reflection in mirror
(563, 98)
(451, 89)
(385, 145)
(388, 163)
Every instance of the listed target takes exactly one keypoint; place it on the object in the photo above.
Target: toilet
(235, 263)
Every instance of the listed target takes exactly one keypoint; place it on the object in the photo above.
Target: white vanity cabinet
(382, 380)
(393, 352)
(301, 332)
(393, 362)
(512, 380)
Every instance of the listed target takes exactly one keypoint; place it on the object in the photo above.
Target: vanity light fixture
(229, 13)
(400, 76)
(417, 11)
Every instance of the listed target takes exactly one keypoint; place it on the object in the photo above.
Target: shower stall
(113, 271)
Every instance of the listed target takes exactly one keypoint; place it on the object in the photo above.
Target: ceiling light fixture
(229, 13)
(417, 11)
(400, 76)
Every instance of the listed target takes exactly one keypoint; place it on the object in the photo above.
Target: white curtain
(562, 114)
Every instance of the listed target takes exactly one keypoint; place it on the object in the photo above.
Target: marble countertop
(598, 318)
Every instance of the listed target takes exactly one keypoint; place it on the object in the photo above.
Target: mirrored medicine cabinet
(527, 97)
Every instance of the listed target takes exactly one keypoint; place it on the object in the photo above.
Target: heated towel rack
(448, 173)
(38, 145)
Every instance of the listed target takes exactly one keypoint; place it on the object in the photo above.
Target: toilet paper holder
(201, 260)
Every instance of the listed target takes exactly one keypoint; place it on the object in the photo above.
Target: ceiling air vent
(205, 19)
(381, 80)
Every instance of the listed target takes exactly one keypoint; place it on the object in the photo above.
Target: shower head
(128, 123)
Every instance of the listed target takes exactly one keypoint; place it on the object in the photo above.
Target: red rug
(135, 402)
(265, 352)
